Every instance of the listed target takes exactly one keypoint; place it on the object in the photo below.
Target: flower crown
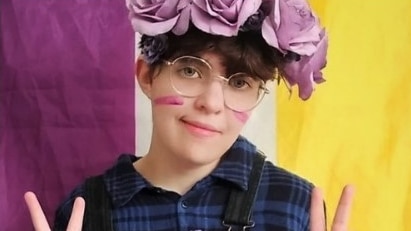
(287, 25)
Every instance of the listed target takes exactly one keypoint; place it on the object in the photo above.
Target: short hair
(247, 52)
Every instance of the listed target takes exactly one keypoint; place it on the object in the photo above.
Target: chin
(200, 156)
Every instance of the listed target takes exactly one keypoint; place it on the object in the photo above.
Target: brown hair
(247, 52)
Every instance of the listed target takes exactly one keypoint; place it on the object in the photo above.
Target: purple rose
(222, 17)
(307, 71)
(153, 17)
(291, 26)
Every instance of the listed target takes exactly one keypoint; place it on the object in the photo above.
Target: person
(204, 66)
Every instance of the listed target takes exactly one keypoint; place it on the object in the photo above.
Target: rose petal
(144, 9)
(222, 17)
(227, 12)
(269, 34)
(306, 72)
(168, 9)
(302, 48)
(318, 60)
(300, 73)
(182, 24)
(306, 87)
(298, 29)
(153, 17)
(271, 23)
(218, 13)
(153, 28)
(286, 27)
(248, 8)
(203, 21)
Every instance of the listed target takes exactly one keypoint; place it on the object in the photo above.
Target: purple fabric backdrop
(66, 98)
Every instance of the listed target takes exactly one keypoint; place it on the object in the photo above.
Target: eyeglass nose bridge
(224, 80)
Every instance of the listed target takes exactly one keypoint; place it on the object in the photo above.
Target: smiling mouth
(200, 130)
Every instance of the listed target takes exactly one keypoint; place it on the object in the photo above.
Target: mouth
(200, 129)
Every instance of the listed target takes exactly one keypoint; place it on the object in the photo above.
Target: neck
(165, 171)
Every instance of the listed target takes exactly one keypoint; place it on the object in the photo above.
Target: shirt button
(184, 204)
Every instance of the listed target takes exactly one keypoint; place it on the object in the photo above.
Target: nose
(211, 100)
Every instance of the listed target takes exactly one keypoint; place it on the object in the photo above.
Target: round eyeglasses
(190, 77)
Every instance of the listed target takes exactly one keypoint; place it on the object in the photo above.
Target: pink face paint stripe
(241, 116)
(169, 100)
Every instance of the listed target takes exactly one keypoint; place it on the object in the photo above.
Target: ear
(144, 78)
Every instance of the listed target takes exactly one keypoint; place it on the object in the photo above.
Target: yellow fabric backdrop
(357, 126)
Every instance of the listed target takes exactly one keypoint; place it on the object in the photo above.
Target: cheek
(241, 116)
(169, 100)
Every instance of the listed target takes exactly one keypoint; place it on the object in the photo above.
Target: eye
(189, 72)
(240, 82)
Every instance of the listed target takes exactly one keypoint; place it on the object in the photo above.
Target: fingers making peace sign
(341, 217)
(317, 217)
(39, 219)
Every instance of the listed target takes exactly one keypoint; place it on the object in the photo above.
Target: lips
(200, 128)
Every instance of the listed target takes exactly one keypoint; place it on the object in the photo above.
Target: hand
(317, 220)
(341, 217)
(39, 219)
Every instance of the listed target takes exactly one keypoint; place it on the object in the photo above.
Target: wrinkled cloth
(66, 98)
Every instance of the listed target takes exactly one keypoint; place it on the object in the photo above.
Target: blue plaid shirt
(282, 202)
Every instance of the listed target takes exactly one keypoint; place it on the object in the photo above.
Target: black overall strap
(240, 203)
(98, 206)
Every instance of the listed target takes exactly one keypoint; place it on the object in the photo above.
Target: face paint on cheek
(241, 116)
(169, 100)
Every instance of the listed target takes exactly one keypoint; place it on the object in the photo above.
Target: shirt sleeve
(63, 213)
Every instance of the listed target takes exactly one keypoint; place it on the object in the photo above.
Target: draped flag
(66, 98)
(356, 128)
